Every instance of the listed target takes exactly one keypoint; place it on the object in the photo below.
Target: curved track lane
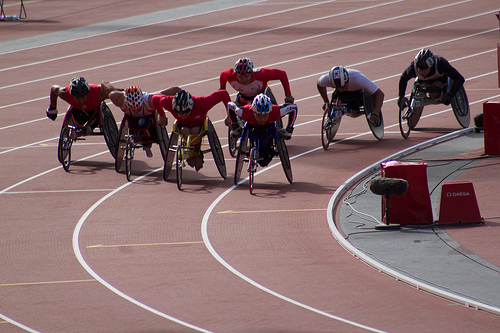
(86, 251)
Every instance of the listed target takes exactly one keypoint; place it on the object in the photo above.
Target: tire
(64, 147)
(242, 151)
(328, 129)
(167, 165)
(252, 167)
(232, 143)
(129, 156)
(163, 141)
(122, 144)
(460, 106)
(216, 149)
(178, 164)
(109, 129)
(369, 105)
(284, 158)
(405, 118)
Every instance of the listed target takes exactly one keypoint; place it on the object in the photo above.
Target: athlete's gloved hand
(52, 113)
(399, 101)
(446, 99)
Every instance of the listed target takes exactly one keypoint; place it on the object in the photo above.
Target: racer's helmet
(261, 104)
(182, 102)
(78, 87)
(424, 59)
(338, 76)
(243, 66)
(134, 98)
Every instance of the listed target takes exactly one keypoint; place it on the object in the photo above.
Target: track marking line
(44, 282)
(144, 244)
(271, 211)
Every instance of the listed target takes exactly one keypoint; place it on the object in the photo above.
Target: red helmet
(243, 66)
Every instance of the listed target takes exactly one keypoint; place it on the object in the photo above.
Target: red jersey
(246, 113)
(201, 106)
(91, 102)
(259, 83)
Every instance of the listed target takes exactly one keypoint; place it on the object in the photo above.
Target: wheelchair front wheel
(284, 158)
(405, 115)
(64, 147)
(167, 166)
(242, 151)
(179, 163)
(109, 130)
(460, 106)
(216, 149)
(129, 156)
(329, 128)
(252, 167)
(378, 127)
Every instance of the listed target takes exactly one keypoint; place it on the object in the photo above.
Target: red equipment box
(458, 203)
(491, 125)
(414, 207)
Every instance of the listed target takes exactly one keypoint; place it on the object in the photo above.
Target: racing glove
(446, 99)
(52, 113)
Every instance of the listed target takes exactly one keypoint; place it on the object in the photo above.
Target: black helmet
(182, 102)
(424, 59)
(78, 87)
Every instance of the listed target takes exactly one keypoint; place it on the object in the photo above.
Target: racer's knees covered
(446, 99)
(51, 113)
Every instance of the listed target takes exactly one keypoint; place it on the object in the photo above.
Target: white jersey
(357, 81)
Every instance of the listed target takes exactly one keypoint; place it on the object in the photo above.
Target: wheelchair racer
(84, 99)
(249, 83)
(348, 84)
(261, 114)
(431, 70)
(137, 106)
(190, 113)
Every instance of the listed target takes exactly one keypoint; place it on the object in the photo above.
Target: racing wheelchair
(258, 144)
(76, 128)
(332, 116)
(411, 109)
(137, 133)
(232, 141)
(185, 149)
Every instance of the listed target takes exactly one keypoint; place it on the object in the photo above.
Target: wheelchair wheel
(460, 106)
(129, 156)
(163, 142)
(216, 149)
(268, 92)
(122, 144)
(405, 115)
(378, 127)
(252, 167)
(242, 150)
(329, 128)
(109, 129)
(285, 160)
(179, 163)
(232, 143)
(167, 166)
(64, 147)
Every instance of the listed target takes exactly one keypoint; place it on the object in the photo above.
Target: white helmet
(338, 76)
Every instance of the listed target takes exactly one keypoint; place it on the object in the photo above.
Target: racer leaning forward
(261, 114)
(348, 84)
(84, 99)
(431, 70)
(249, 83)
(190, 113)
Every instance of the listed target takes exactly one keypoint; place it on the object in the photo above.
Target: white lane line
(81, 260)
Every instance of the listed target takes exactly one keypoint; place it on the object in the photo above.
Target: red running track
(85, 251)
